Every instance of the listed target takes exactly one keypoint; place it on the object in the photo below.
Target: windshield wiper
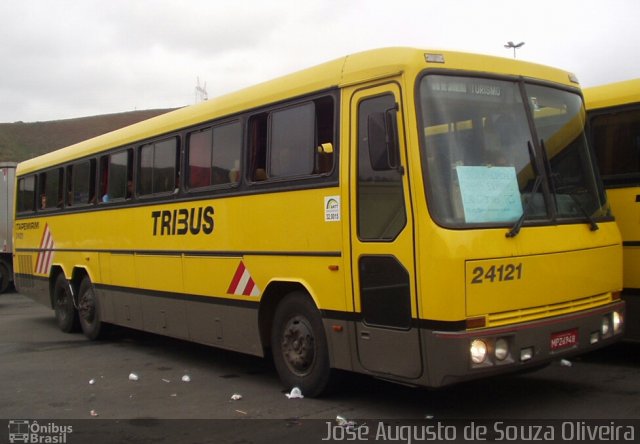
(513, 232)
(593, 226)
(571, 192)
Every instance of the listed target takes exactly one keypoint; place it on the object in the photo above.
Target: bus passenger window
(258, 147)
(227, 143)
(199, 158)
(325, 135)
(158, 171)
(26, 194)
(214, 156)
(292, 141)
(50, 189)
(69, 190)
(116, 175)
(81, 183)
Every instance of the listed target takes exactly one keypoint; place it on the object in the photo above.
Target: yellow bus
(614, 117)
(420, 216)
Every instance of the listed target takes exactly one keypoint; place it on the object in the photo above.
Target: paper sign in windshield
(489, 194)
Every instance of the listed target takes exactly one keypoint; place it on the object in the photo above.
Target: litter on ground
(565, 363)
(295, 393)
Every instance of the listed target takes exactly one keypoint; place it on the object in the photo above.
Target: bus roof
(350, 69)
(612, 94)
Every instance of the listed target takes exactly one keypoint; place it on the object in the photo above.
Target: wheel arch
(271, 297)
(77, 274)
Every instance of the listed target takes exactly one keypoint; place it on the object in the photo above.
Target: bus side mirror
(382, 132)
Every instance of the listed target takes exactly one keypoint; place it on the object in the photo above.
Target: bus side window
(50, 186)
(291, 149)
(165, 178)
(26, 194)
(213, 156)
(199, 158)
(258, 147)
(325, 135)
(103, 189)
(69, 186)
(296, 141)
(80, 182)
(158, 172)
(227, 144)
(116, 176)
(617, 143)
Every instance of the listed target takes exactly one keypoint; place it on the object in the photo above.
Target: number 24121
(508, 272)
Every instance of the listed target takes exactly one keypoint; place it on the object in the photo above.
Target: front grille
(545, 311)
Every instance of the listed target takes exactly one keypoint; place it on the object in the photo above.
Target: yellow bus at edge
(614, 117)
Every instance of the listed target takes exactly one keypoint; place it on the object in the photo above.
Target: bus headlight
(502, 349)
(478, 351)
(617, 322)
(606, 324)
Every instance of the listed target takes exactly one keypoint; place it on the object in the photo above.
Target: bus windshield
(485, 164)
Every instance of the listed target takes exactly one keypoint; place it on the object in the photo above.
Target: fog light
(478, 351)
(617, 322)
(502, 349)
(605, 326)
(526, 354)
(594, 337)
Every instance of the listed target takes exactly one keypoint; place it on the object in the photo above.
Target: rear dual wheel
(5, 276)
(86, 317)
(89, 311)
(65, 312)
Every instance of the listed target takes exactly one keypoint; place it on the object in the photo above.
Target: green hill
(20, 141)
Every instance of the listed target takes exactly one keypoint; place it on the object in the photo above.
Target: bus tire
(89, 311)
(65, 312)
(299, 345)
(5, 276)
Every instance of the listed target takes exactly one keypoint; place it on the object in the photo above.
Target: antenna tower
(201, 92)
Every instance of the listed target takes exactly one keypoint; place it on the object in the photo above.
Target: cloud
(70, 58)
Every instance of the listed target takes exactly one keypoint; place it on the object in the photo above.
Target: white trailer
(7, 179)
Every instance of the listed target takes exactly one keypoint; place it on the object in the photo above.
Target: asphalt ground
(52, 377)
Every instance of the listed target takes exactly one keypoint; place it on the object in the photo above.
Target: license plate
(564, 339)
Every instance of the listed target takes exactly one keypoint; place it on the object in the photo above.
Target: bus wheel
(299, 345)
(89, 311)
(66, 314)
(5, 277)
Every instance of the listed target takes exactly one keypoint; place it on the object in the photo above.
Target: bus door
(382, 262)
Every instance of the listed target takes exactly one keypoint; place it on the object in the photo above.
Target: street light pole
(510, 44)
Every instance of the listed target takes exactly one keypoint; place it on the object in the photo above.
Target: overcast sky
(61, 59)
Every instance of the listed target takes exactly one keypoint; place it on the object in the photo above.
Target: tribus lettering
(182, 221)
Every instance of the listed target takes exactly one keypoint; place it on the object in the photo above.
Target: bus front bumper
(458, 356)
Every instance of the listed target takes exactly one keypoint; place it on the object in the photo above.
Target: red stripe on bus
(249, 288)
(236, 278)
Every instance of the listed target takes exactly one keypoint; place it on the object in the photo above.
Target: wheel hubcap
(298, 345)
(86, 306)
(61, 304)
